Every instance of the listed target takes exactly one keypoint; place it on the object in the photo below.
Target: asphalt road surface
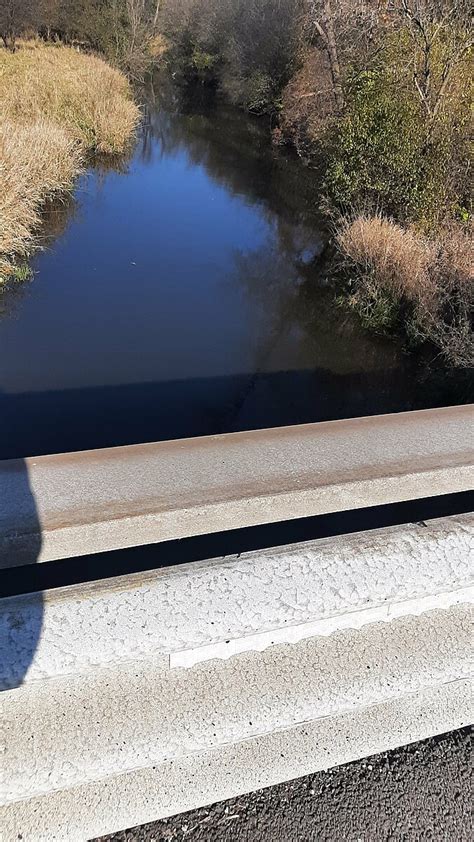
(420, 792)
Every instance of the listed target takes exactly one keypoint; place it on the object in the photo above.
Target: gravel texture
(419, 792)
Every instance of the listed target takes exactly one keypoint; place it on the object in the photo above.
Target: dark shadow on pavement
(20, 541)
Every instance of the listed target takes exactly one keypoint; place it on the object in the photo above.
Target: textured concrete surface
(106, 499)
(196, 612)
(90, 754)
(144, 715)
(144, 795)
(420, 792)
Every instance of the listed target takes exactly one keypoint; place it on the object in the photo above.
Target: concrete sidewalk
(420, 792)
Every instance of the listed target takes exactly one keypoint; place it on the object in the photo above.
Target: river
(183, 292)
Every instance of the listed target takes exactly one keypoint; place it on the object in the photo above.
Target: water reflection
(233, 148)
(183, 292)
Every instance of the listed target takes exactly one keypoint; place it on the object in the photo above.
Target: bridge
(175, 634)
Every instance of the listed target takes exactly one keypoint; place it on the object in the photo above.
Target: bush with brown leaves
(394, 266)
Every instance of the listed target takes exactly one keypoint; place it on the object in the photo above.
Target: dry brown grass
(80, 92)
(36, 162)
(434, 276)
(56, 105)
(399, 258)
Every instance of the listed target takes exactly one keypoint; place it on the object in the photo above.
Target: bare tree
(49, 12)
(135, 56)
(347, 30)
(15, 17)
(442, 37)
(157, 13)
(321, 16)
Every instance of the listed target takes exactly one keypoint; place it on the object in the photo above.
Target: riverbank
(399, 280)
(58, 105)
(378, 101)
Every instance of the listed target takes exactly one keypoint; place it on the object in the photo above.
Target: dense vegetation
(57, 104)
(379, 95)
(375, 93)
(123, 31)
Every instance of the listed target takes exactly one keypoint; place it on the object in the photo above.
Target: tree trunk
(157, 12)
(333, 56)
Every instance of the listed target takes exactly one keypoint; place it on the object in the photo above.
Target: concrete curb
(146, 795)
(218, 608)
(124, 745)
(80, 503)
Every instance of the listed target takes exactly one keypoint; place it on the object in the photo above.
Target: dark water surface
(182, 293)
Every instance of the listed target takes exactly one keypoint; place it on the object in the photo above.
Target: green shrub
(380, 154)
(377, 308)
(259, 93)
(203, 63)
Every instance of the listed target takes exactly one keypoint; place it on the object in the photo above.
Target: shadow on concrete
(20, 539)
(104, 565)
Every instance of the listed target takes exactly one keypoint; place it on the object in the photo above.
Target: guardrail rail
(139, 696)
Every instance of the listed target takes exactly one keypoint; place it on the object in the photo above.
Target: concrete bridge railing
(135, 697)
